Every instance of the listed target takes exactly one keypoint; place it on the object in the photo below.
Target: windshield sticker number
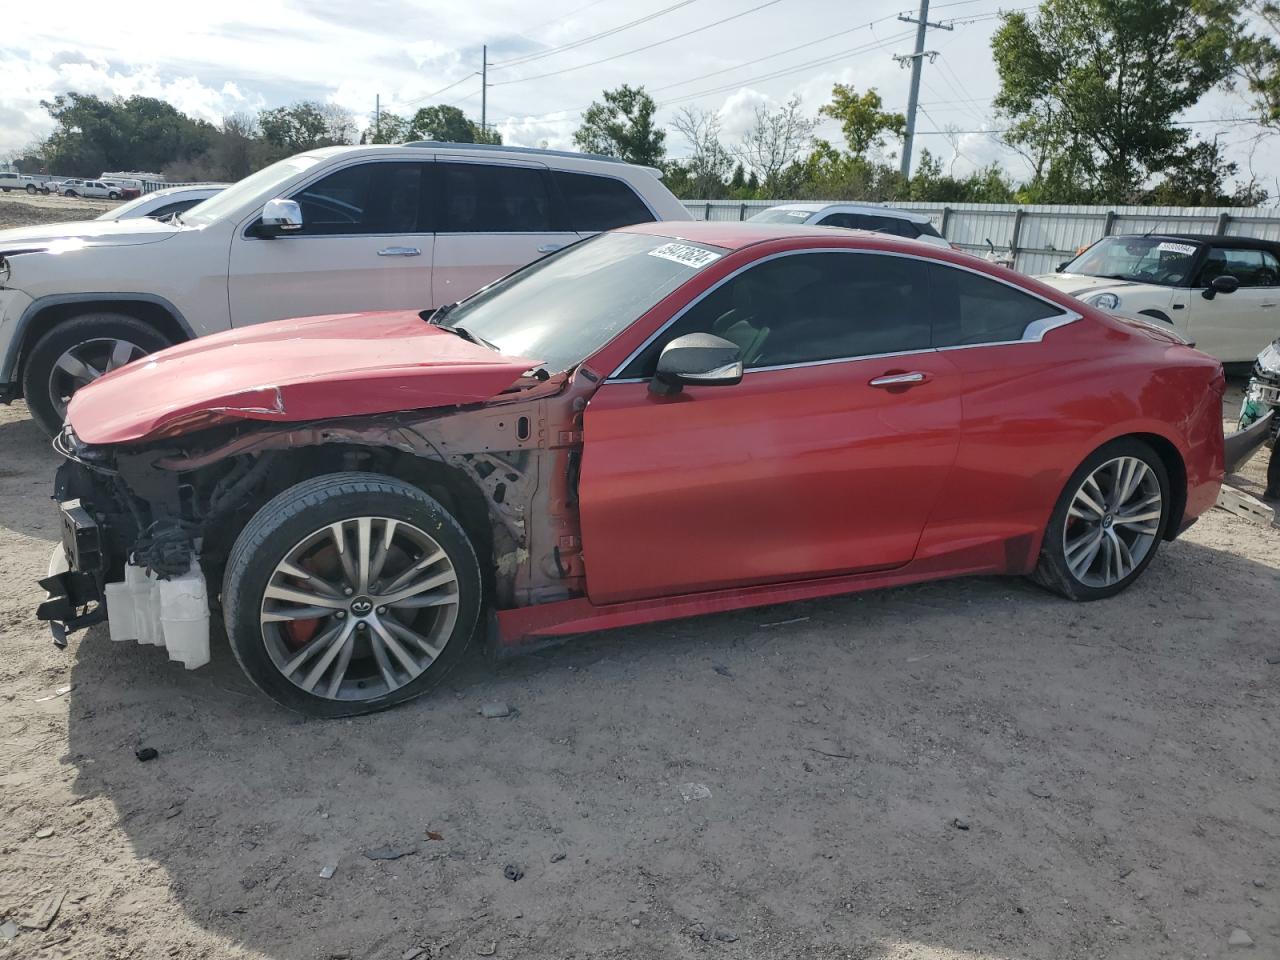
(1185, 249)
(682, 253)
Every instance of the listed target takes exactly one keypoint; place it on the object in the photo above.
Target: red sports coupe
(661, 421)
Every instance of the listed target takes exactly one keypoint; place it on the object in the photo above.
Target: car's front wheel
(70, 193)
(350, 593)
(31, 189)
(77, 352)
(113, 195)
(1107, 524)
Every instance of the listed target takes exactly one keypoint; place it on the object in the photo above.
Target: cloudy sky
(211, 59)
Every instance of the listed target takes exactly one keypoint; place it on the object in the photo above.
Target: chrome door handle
(399, 252)
(550, 247)
(898, 379)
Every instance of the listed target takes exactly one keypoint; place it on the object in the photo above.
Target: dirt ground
(970, 770)
(21, 209)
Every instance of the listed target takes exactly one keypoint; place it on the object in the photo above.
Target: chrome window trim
(1034, 332)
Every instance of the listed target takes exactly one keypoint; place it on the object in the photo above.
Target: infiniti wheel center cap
(361, 606)
(1106, 525)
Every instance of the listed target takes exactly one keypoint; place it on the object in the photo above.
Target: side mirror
(697, 359)
(280, 216)
(1222, 284)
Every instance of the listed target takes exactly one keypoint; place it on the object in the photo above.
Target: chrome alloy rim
(359, 608)
(86, 362)
(1112, 522)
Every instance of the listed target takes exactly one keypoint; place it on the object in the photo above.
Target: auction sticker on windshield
(1183, 248)
(690, 256)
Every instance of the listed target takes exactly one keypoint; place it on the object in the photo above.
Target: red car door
(818, 463)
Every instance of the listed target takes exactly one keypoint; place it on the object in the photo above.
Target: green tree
(1257, 58)
(443, 123)
(306, 125)
(863, 120)
(622, 126)
(387, 128)
(1096, 85)
(139, 133)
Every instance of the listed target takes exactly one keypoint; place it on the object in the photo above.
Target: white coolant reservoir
(172, 613)
(184, 617)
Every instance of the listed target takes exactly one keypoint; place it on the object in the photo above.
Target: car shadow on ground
(975, 765)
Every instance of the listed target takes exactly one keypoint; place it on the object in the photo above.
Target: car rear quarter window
(809, 308)
(971, 309)
(367, 198)
(489, 198)
(593, 203)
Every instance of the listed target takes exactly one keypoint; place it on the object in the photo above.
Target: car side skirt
(566, 617)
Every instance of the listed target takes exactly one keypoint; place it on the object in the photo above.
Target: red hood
(306, 369)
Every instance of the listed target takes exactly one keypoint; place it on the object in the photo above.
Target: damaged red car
(658, 422)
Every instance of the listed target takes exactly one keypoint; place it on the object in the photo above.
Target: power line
(747, 63)
(776, 74)
(436, 93)
(647, 46)
(564, 16)
(516, 61)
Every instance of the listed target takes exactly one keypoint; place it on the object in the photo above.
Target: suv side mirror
(1222, 284)
(698, 359)
(279, 216)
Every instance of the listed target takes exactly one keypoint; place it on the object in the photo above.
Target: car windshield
(781, 215)
(239, 193)
(125, 208)
(564, 308)
(1141, 259)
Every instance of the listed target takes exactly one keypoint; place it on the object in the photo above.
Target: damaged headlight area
(132, 536)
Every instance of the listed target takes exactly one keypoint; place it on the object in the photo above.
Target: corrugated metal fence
(1043, 235)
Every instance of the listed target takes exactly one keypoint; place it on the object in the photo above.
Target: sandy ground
(1115, 765)
(18, 209)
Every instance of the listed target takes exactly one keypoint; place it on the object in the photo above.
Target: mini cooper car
(1222, 293)
(661, 421)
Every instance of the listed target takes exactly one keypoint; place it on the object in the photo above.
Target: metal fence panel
(1042, 236)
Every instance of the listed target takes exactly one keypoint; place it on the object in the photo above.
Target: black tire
(38, 368)
(113, 195)
(71, 193)
(1052, 570)
(31, 189)
(294, 515)
(5, 189)
(46, 191)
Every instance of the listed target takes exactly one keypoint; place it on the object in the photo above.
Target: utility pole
(377, 118)
(484, 91)
(917, 61)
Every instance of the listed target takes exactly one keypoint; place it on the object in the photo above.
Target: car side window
(972, 309)
(599, 203)
(490, 198)
(367, 198)
(1253, 268)
(860, 221)
(811, 307)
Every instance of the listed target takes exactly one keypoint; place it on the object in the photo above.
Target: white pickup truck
(337, 230)
(91, 188)
(23, 181)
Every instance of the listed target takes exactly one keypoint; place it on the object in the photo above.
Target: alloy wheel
(359, 608)
(86, 362)
(1113, 522)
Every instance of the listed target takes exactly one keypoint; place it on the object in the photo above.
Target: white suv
(342, 229)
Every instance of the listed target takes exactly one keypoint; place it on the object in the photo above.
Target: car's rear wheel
(1108, 523)
(77, 352)
(350, 593)
(70, 193)
(31, 189)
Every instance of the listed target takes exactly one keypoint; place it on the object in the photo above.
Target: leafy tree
(305, 126)
(386, 128)
(442, 122)
(1198, 179)
(1257, 59)
(863, 120)
(1096, 85)
(622, 126)
(138, 133)
(739, 178)
(776, 139)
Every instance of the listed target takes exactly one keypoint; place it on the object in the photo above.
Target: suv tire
(31, 189)
(368, 650)
(52, 369)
